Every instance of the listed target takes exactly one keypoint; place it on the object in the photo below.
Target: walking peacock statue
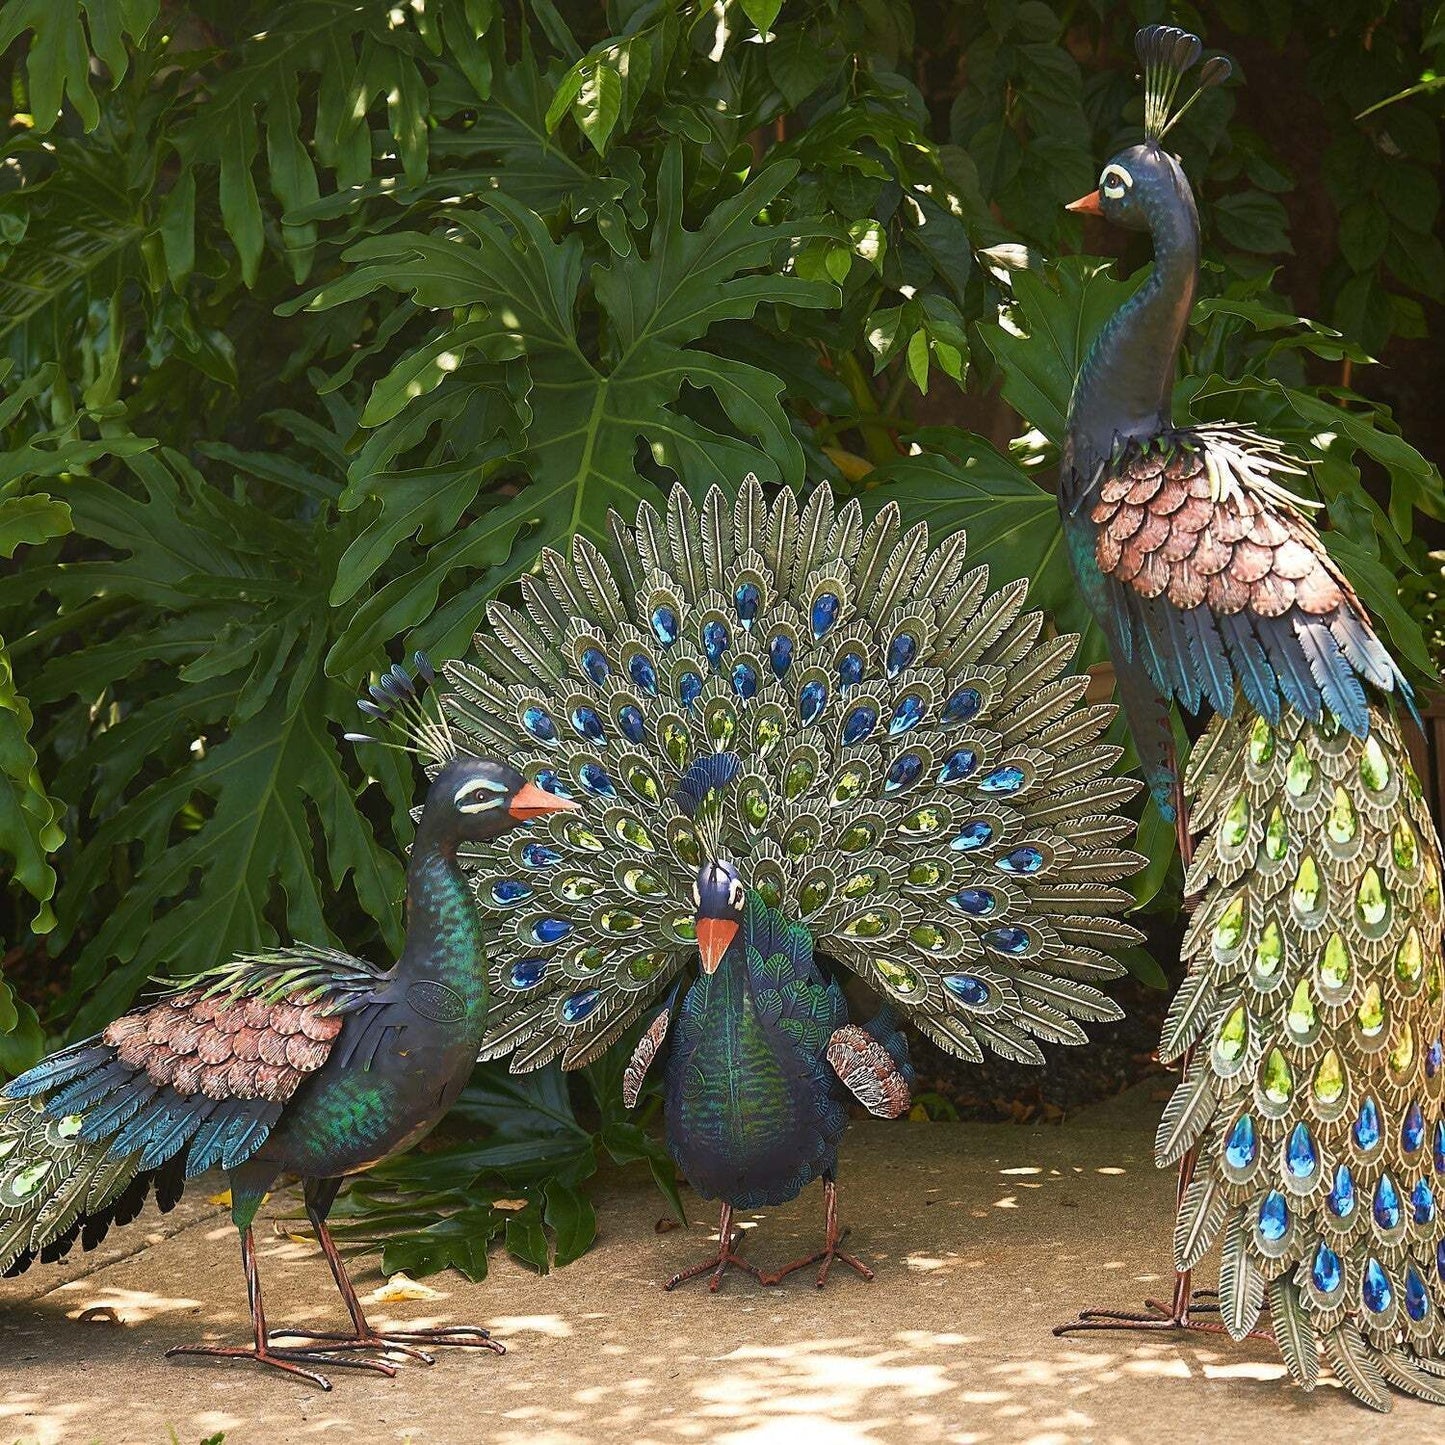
(302, 1060)
(802, 745)
(1307, 1126)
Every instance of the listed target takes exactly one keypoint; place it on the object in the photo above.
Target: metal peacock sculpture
(301, 1060)
(802, 745)
(1307, 1127)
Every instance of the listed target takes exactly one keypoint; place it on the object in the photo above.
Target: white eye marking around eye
(478, 797)
(735, 893)
(1114, 182)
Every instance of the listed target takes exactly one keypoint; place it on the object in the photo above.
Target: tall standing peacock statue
(803, 745)
(302, 1060)
(1307, 1127)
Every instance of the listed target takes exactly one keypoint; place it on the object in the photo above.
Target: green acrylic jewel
(643, 884)
(1261, 742)
(802, 840)
(1232, 1034)
(581, 836)
(684, 926)
(1410, 957)
(860, 885)
(1269, 950)
(799, 779)
(770, 890)
(1405, 847)
(755, 806)
(722, 727)
(1371, 902)
(1329, 1085)
(868, 925)
(686, 845)
(1434, 985)
(1371, 1012)
(646, 965)
(1402, 1048)
(588, 959)
(925, 875)
(1235, 827)
(1374, 766)
(676, 743)
(29, 1178)
(1278, 1078)
(1335, 965)
(1301, 1016)
(1307, 886)
(577, 886)
(1342, 822)
(850, 785)
(630, 830)
(813, 896)
(769, 733)
(1276, 836)
(1432, 888)
(856, 839)
(1299, 772)
(618, 920)
(928, 937)
(925, 820)
(1229, 929)
(899, 977)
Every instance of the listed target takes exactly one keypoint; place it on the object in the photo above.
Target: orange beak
(534, 802)
(714, 938)
(1087, 205)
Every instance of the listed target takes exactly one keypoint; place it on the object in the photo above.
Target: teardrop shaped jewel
(509, 890)
(1386, 1206)
(1229, 927)
(1437, 1146)
(859, 723)
(850, 669)
(1335, 965)
(618, 920)
(1374, 765)
(1422, 1202)
(629, 830)
(1417, 1300)
(1273, 1217)
(1367, 1126)
(1342, 1193)
(1299, 772)
(1301, 1016)
(928, 937)
(856, 839)
(898, 976)
(1261, 742)
(1269, 950)
(689, 688)
(1002, 780)
(780, 654)
(630, 720)
(824, 614)
(908, 714)
(527, 972)
(715, 639)
(539, 855)
(1376, 1291)
(576, 887)
(1371, 902)
(1342, 822)
(906, 771)
(1300, 1157)
(1402, 1048)
(1329, 1085)
(1434, 1057)
(1405, 847)
(595, 665)
(1325, 1269)
(812, 896)
(1242, 1146)
(587, 724)
(1278, 1078)
(850, 785)
(642, 672)
(1276, 836)
(901, 652)
(962, 705)
(539, 724)
(579, 1006)
(550, 930)
(1371, 1012)
(745, 681)
(812, 699)
(594, 778)
(1305, 895)
(958, 764)
(665, 625)
(642, 884)
(1234, 828)
(966, 989)
(973, 835)
(1410, 957)
(1412, 1131)
(1021, 860)
(746, 601)
(978, 902)
(1232, 1033)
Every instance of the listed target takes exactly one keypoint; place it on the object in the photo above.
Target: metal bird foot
(401, 1342)
(288, 1361)
(1157, 1316)
(827, 1254)
(726, 1257)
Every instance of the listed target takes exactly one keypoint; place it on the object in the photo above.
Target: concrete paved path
(982, 1238)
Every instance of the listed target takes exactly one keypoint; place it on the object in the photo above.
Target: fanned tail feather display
(1313, 1007)
(894, 757)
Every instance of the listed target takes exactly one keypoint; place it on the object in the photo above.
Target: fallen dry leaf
(401, 1286)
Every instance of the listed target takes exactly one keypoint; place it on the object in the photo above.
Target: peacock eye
(735, 894)
(1115, 182)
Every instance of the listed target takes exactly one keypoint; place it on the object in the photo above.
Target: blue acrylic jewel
(901, 652)
(1376, 1290)
(850, 668)
(966, 988)
(1422, 1202)
(1440, 1260)
(549, 930)
(1437, 1146)
(1387, 1203)
(1299, 1153)
(689, 687)
(587, 724)
(594, 778)
(977, 901)
(825, 613)
(527, 972)
(642, 672)
(1021, 860)
(630, 720)
(1273, 1216)
(549, 782)
(974, 835)
(812, 699)
(1434, 1057)
(1242, 1145)
(539, 723)
(745, 602)
(963, 705)
(509, 890)
(1412, 1131)
(1007, 940)
(958, 765)
(1417, 1298)
(1342, 1193)
(1367, 1126)
(1325, 1269)
(539, 855)
(1008, 779)
(715, 640)
(859, 723)
(665, 626)
(579, 1005)
(594, 664)
(908, 714)
(906, 771)
(745, 681)
(780, 654)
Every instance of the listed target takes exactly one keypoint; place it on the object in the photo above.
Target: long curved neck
(1125, 384)
(443, 926)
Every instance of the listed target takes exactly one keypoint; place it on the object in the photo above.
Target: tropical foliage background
(318, 319)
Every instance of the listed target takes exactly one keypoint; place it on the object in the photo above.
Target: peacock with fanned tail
(1307, 1127)
(803, 744)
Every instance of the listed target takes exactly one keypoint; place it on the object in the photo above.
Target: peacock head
(721, 899)
(1138, 183)
(477, 799)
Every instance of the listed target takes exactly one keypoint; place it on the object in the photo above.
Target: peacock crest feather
(894, 757)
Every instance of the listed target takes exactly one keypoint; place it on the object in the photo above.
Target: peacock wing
(1218, 581)
(896, 757)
